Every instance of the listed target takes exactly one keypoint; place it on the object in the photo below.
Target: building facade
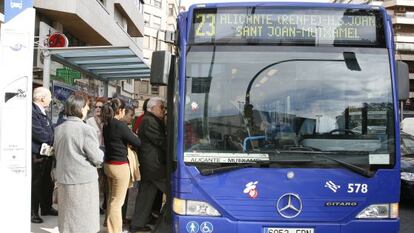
(89, 23)
(402, 13)
(160, 25)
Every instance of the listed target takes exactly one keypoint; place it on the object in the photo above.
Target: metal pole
(156, 40)
(46, 68)
(106, 88)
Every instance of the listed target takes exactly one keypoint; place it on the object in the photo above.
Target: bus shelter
(104, 63)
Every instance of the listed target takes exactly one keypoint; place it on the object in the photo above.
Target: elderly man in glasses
(42, 162)
(152, 158)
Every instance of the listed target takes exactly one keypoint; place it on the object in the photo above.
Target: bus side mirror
(403, 81)
(160, 67)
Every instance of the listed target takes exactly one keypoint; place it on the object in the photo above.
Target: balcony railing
(392, 3)
(404, 46)
(408, 14)
(404, 37)
(403, 20)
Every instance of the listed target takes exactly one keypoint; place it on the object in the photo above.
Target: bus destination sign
(287, 26)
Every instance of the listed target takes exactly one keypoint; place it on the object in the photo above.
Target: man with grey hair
(156, 106)
(152, 159)
(42, 138)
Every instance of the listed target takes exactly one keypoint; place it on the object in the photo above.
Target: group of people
(103, 146)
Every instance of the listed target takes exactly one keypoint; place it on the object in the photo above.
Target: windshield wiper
(257, 164)
(324, 154)
(314, 153)
(359, 170)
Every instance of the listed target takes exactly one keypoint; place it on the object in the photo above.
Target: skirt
(78, 208)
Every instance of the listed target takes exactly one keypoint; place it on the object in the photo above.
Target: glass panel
(147, 19)
(157, 3)
(81, 53)
(147, 42)
(155, 90)
(156, 21)
(143, 88)
(288, 25)
(263, 98)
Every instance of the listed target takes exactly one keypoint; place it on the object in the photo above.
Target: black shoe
(126, 222)
(51, 212)
(155, 214)
(36, 218)
(153, 220)
(139, 229)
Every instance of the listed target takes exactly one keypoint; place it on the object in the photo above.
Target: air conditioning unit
(169, 37)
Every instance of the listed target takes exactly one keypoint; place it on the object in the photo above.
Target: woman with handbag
(117, 137)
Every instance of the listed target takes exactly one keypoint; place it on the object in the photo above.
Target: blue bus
(283, 118)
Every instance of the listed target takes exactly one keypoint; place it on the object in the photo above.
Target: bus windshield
(281, 100)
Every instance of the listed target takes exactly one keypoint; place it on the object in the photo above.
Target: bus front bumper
(195, 224)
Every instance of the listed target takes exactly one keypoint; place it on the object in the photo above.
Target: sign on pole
(16, 67)
(12, 8)
(67, 73)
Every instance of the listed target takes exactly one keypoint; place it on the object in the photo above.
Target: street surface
(407, 217)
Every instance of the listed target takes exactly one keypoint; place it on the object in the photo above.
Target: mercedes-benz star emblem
(289, 205)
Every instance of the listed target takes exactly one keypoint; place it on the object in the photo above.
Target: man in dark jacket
(152, 159)
(42, 138)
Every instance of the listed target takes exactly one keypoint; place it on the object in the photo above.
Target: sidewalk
(50, 225)
(50, 222)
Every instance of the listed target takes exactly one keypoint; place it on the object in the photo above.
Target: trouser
(103, 187)
(118, 181)
(145, 199)
(156, 206)
(125, 206)
(42, 183)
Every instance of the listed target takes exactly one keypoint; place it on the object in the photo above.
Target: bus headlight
(380, 211)
(195, 208)
(408, 176)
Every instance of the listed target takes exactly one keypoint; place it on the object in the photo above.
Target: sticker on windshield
(194, 106)
(379, 159)
(200, 157)
(251, 189)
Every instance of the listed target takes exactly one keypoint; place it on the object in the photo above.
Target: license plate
(288, 230)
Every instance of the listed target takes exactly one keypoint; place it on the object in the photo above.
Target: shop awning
(102, 62)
